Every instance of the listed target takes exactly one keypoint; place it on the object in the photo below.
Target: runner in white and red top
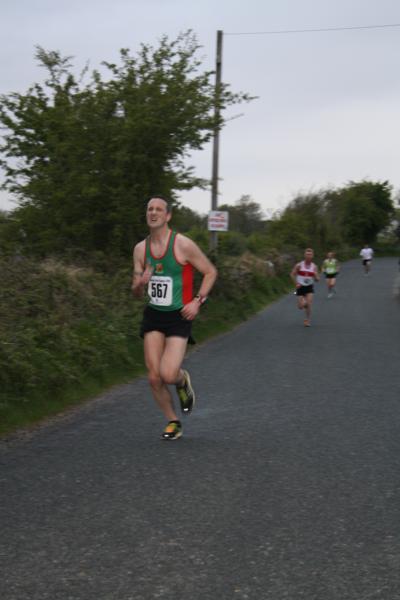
(304, 274)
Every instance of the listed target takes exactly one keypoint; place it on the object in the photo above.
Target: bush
(60, 327)
(232, 243)
(67, 332)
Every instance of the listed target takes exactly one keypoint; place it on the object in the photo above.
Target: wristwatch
(200, 299)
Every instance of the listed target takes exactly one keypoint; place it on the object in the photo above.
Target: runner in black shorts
(330, 267)
(304, 274)
(164, 263)
(367, 255)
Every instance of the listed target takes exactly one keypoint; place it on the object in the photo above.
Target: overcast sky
(329, 102)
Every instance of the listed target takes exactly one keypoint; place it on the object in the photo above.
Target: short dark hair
(161, 197)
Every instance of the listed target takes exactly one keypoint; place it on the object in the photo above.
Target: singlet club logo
(159, 268)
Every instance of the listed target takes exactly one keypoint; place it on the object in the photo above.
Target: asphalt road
(286, 484)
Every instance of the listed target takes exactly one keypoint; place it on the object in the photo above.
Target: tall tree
(366, 209)
(82, 159)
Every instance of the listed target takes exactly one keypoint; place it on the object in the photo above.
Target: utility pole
(215, 154)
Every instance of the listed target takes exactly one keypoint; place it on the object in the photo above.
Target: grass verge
(97, 356)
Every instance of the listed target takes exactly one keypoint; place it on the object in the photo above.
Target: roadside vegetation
(70, 332)
(81, 160)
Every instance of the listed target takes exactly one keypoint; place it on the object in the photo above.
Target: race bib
(307, 280)
(160, 290)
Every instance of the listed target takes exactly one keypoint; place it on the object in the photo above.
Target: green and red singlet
(171, 285)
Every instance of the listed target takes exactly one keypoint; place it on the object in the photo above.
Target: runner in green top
(163, 264)
(330, 267)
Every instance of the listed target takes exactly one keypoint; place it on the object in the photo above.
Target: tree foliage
(366, 209)
(83, 158)
(245, 216)
(349, 216)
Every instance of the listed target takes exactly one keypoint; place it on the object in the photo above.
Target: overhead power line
(321, 29)
(220, 34)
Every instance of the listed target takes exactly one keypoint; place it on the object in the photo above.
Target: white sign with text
(218, 220)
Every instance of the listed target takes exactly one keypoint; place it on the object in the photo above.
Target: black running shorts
(303, 290)
(170, 323)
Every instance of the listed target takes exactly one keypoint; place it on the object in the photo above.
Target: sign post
(215, 158)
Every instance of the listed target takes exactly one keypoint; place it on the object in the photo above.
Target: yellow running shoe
(173, 431)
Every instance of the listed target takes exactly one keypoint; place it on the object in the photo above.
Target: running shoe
(173, 431)
(186, 394)
(307, 323)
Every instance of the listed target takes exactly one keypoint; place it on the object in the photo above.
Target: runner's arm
(293, 274)
(192, 254)
(141, 274)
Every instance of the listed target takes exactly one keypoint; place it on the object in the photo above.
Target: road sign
(218, 220)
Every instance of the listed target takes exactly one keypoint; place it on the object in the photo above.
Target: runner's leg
(154, 347)
(309, 301)
(172, 358)
(172, 373)
(328, 285)
(300, 302)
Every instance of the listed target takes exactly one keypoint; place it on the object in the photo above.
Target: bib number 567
(159, 290)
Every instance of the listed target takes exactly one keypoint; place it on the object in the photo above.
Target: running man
(304, 274)
(164, 263)
(366, 254)
(330, 268)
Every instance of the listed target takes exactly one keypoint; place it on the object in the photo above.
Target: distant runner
(164, 263)
(330, 268)
(367, 254)
(304, 274)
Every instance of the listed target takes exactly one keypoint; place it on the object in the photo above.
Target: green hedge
(67, 332)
